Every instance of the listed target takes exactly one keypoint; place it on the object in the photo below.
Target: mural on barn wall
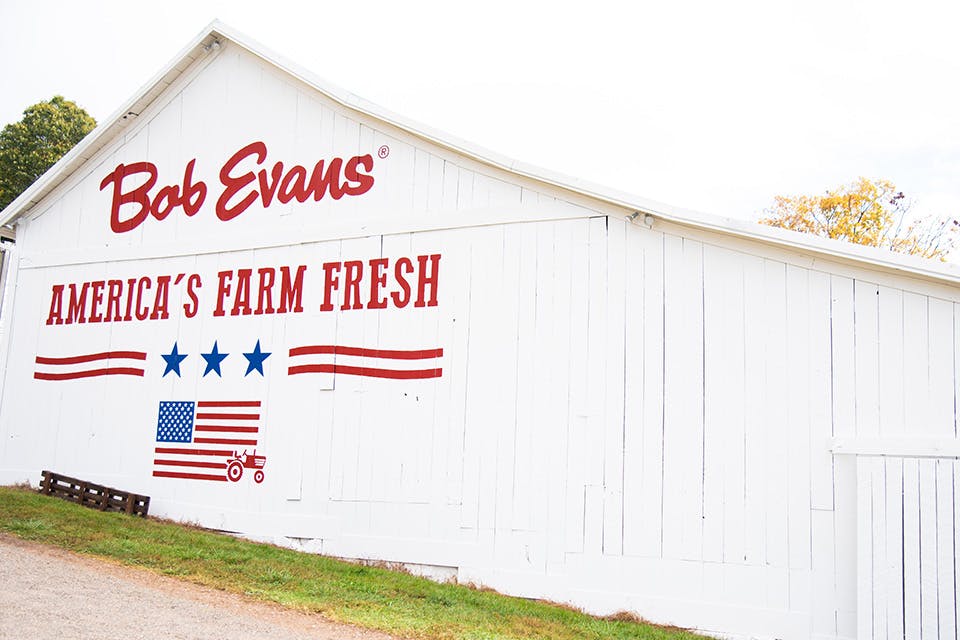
(243, 280)
(139, 200)
(215, 439)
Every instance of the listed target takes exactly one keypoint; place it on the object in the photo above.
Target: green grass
(371, 597)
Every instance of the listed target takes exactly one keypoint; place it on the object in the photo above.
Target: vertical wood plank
(437, 429)
(570, 261)
(824, 618)
(613, 457)
(531, 384)
(928, 549)
(481, 431)
(465, 189)
(916, 365)
(893, 566)
(421, 180)
(941, 367)
(865, 550)
(459, 274)
(683, 398)
(500, 351)
(890, 335)
(379, 474)
(800, 358)
(723, 455)
(946, 534)
(435, 181)
(548, 422)
(844, 372)
(633, 453)
(755, 426)
(866, 358)
(956, 380)
(845, 547)
(451, 181)
(596, 409)
(672, 495)
(775, 412)
(878, 557)
(844, 424)
(357, 421)
(342, 415)
(576, 478)
(820, 385)
(911, 549)
(507, 312)
(644, 505)
(956, 542)
(867, 418)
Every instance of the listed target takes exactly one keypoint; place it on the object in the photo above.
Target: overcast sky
(705, 105)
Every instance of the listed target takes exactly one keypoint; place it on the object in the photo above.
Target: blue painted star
(173, 361)
(214, 358)
(256, 359)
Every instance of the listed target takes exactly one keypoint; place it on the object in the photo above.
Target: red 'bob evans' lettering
(245, 180)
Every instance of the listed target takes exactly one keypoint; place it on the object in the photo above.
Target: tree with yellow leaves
(869, 212)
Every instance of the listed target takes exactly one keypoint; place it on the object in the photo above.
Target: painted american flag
(195, 440)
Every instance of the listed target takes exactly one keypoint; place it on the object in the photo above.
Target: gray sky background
(704, 105)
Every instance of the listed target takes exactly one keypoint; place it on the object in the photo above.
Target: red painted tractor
(239, 462)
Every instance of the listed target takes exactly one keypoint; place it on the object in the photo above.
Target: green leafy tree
(870, 212)
(47, 131)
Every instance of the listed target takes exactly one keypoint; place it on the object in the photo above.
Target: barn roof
(637, 208)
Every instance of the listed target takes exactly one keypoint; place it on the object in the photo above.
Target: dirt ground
(50, 593)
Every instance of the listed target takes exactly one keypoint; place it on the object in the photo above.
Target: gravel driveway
(50, 593)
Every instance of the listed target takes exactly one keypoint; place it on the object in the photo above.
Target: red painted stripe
(92, 373)
(417, 374)
(228, 403)
(226, 429)
(228, 416)
(194, 452)
(224, 441)
(192, 463)
(90, 357)
(396, 354)
(188, 476)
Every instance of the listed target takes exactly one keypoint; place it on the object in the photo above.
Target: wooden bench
(95, 496)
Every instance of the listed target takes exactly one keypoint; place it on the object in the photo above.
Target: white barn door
(908, 547)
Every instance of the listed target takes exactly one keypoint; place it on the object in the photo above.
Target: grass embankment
(375, 598)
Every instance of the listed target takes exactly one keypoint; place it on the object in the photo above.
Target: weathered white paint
(706, 427)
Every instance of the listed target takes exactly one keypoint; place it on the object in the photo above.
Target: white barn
(449, 359)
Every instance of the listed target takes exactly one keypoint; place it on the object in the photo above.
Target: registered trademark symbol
(383, 151)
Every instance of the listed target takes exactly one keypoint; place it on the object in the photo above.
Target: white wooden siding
(627, 419)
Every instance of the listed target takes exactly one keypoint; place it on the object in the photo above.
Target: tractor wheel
(234, 471)
(258, 476)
